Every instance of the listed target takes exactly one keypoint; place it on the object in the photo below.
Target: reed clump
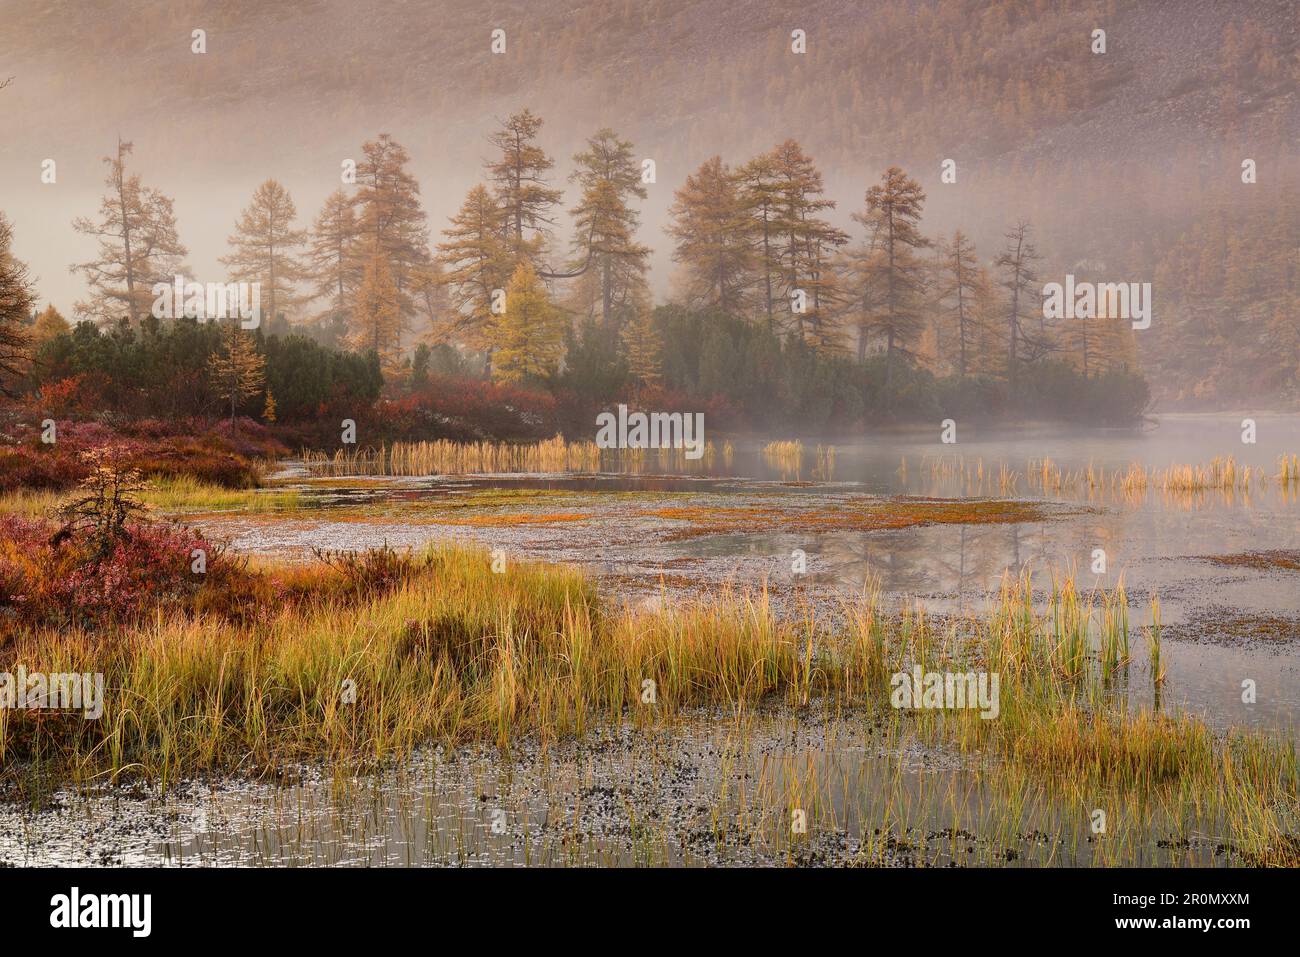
(1222, 474)
(555, 455)
(824, 463)
(785, 455)
(444, 457)
(1288, 469)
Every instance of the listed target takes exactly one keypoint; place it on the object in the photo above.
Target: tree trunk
(126, 236)
(607, 291)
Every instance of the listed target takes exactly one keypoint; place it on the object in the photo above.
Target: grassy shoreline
(172, 495)
(355, 669)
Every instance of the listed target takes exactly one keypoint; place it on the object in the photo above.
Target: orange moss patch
(481, 521)
(890, 514)
(1264, 561)
(700, 513)
(336, 516)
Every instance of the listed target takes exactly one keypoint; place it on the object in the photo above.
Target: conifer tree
(420, 367)
(989, 356)
(519, 175)
(138, 246)
(46, 327)
(332, 257)
(760, 195)
(529, 335)
(16, 304)
(713, 229)
(432, 304)
(642, 345)
(49, 324)
(265, 246)
(823, 323)
(1019, 277)
(891, 273)
(238, 371)
(1109, 337)
(377, 322)
(959, 285)
(605, 224)
(804, 244)
(389, 214)
(477, 260)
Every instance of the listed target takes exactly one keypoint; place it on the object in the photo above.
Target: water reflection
(703, 791)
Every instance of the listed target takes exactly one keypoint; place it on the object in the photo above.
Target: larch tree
(714, 244)
(891, 271)
(49, 325)
(605, 225)
(529, 334)
(333, 258)
(265, 248)
(805, 244)
(432, 304)
(760, 196)
(642, 345)
(16, 304)
(1104, 342)
(238, 370)
(389, 214)
(377, 319)
(1018, 276)
(519, 176)
(477, 260)
(989, 356)
(138, 245)
(823, 288)
(959, 279)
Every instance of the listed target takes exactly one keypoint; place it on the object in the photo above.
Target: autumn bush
(46, 580)
(467, 409)
(227, 455)
(55, 577)
(31, 467)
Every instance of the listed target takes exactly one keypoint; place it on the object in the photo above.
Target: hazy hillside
(1110, 156)
(657, 64)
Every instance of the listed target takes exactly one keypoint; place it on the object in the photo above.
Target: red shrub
(39, 467)
(466, 409)
(63, 397)
(46, 580)
(222, 456)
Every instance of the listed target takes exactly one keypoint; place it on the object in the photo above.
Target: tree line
(495, 293)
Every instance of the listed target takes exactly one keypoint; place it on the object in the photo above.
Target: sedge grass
(172, 495)
(455, 652)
